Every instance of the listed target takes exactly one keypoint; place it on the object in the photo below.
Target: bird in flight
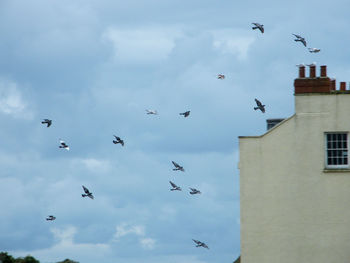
(185, 114)
(311, 65)
(177, 167)
(258, 26)
(314, 50)
(50, 218)
(47, 122)
(175, 187)
(200, 244)
(63, 145)
(194, 191)
(87, 193)
(118, 140)
(260, 106)
(154, 112)
(221, 76)
(300, 39)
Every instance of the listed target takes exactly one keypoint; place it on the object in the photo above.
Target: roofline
(268, 131)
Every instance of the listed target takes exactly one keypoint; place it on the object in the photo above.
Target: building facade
(295, 179)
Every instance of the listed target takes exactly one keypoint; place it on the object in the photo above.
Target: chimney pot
(333, 84)
(312, 71)
(301, 71)
(324, 71)
(342, 86)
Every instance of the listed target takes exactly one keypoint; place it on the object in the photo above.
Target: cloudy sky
(93, 67)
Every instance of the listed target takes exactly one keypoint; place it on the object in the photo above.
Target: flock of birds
(118, 140)
(177, 167)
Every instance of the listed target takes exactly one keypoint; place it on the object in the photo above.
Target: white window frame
(336, 166)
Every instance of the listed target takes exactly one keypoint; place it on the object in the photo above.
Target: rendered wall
(292, 209)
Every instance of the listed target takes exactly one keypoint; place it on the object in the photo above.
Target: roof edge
(268, 131)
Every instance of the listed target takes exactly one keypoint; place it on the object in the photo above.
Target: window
(337, 150)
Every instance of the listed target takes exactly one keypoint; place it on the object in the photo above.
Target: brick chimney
(313, 84)
(343, 86)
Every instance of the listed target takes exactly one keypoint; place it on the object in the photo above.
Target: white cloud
(11, 100)
(96, 165)
(147, 243)
(142, 45)
(66, 247)
(232, 42)
(126, 229)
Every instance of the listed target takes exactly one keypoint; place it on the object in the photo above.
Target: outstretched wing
(172, 184)
(175, 164)
(258, 103)
(196, 241)
(117, 138)
(297, 36)
(85, 189)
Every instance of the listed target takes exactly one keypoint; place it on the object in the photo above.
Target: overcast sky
(93, 67)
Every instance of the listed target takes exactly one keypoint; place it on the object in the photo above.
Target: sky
(94, 67)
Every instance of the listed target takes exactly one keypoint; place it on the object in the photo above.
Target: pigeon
(47, 122)
(314, 50)
(177, 167)
(63, 145)
(311, 65)
(175, 187)
(300, 65)
(300, 39)
(221, 76)
(185, 114)
(260, 106)
(200, 244)
(118, 140)
(152, 112)
(87, 193)
(258, 26)
(50, 218)
(194, 191)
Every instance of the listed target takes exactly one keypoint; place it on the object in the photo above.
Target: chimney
(333, 84)
(324, 71)
(313, 84)
(312, 71)
(301, 71)
(342, 86)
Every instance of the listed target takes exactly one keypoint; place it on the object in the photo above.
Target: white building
(295, 180)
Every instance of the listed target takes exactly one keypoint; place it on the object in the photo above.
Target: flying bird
(194, 191)
(118, 140)
(50, 218)
(154, 112)
(87, 193)
(175, 187)
(314, 50)
(258, 26)
(177, 167)
(260, 106)
(221, 76)
(300, 39)
(311, 65)
(200, 244)
(47, 122)
(185, 114)
(63, 145)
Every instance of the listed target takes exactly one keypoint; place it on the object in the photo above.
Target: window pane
(339, 137)
(334, 144)
(339, 144)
